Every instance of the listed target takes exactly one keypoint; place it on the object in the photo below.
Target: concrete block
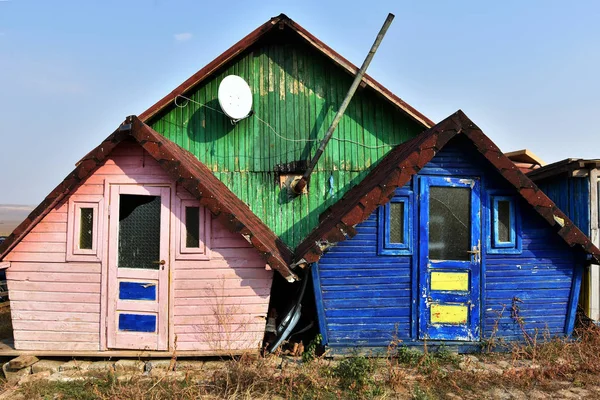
(122, 366)
(75, 365)
(46, 365)
(14, 376)
(22, 361)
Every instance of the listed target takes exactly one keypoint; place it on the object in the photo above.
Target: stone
(538, 395)
(500, 394)
(22, 361)
(517, 394)
(583, 393)
(189, 364)
(493, 369)
(164, 364)
(101, 366)
(75, 365)
(123, 366)
(65, 377)
(46, 365)
(12, 394)
(35, 377)
(567, 394)
(213, 365)
(503, 364)
(14, 376)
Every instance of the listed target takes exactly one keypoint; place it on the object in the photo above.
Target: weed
(310, 353)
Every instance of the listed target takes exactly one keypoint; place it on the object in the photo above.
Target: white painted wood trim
(4, 264)
(594, 276)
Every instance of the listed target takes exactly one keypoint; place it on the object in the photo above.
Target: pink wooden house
(141, 248)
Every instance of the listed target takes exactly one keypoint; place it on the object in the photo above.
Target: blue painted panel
(137, 291)
(137, 322)
(542, 277)
(572, 196)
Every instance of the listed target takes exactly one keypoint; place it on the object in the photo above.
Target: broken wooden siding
(297, 91)
(369, 299)
(218, 303)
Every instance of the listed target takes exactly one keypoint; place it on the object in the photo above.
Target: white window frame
(201, 252)
(76, 203)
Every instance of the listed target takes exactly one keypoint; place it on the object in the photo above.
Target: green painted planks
(297, 92)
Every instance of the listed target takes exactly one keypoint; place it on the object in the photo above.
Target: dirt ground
(537, 368)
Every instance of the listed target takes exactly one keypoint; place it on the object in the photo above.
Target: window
(194, 227)
(84, 223)
(395, 225)
(504, 234)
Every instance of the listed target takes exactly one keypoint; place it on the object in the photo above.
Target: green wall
(297, 91)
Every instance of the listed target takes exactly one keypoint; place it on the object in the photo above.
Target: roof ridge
(256, 35)
(183, 168)
(407, 159)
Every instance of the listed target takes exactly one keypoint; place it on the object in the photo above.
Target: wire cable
(277, 133)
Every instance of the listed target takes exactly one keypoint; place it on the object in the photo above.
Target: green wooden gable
(296, 92)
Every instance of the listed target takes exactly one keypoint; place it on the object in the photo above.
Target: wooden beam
(594, 270)
(4, 264)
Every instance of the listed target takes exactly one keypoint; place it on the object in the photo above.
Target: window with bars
(395, 225)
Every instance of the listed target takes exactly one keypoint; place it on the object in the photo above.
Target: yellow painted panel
(449, 314)
(456, 281)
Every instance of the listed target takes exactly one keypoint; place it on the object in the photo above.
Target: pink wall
(218, 300)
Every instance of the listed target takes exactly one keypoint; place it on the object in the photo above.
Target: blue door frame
(449, 289)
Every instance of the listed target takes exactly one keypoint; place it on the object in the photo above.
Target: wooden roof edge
(216, 196)
(256, 35)
(269, 245)
(526, 156)
(352, 209)
(562, 167)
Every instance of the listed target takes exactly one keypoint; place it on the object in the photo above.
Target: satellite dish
(235, 97)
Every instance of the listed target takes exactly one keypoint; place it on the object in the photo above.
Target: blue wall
(572, 196)
(366, 299)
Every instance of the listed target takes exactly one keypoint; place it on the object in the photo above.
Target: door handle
(161, 262)
(476, 251)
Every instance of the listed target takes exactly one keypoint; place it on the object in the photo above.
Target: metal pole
(301, 183)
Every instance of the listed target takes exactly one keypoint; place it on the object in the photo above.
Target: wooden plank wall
(217, 304)
(367, 297)
(221, 303)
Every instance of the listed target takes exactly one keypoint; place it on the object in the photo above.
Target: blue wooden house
(449, 243)
(574, 185)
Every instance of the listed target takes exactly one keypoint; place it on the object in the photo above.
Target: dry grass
(538, 363)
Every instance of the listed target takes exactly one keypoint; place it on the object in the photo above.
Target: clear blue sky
(526, 72)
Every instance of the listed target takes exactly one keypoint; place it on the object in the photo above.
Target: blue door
(449, 258)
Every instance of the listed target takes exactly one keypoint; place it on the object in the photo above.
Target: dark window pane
(192, 227)
(86, 228)
(397, 222)
(503, 221)
(449, 223)
(139, 231)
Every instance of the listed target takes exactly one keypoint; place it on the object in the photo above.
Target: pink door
(138, 270)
